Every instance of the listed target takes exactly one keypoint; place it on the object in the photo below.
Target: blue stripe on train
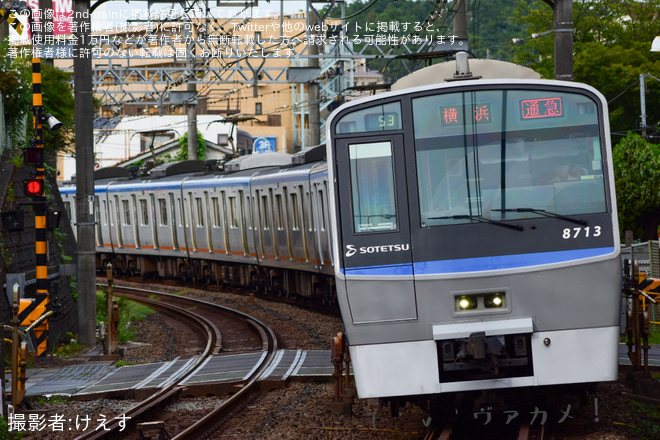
(480, 264)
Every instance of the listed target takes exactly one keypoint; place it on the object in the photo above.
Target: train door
(374, 229)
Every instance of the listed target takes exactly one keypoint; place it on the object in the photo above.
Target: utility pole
(314, 129)
(563, 17)
(642, 102)
(192, 91)
(460, 19)
(84, 115)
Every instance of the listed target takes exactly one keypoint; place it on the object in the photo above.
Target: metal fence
(647, 256)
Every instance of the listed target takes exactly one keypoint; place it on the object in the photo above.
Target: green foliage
(611, 46)
(70, 348)
(636, 173)
(59, 241)
(58, 101)
(129, 312)
(611, 70)
(182, 154)
(491, 29)
(16, 89)
(642, 419)
(4, 431)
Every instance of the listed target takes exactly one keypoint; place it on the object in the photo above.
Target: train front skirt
(414, 368)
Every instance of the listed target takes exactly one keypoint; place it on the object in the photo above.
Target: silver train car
(467, 229)
(260, 223)
(476, 242)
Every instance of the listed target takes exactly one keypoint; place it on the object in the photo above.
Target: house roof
(170, 146)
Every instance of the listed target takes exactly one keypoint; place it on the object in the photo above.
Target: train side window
(280, 213)
(105, 211)
(200, 211)
(162, 208)
(264, 209)
(310, 213)
(232, 212)
(216, 212)
(322, 206)
(248, 213)
(295, 217)
(145, 212)
(242, 200)
(372, 187)
(179, 223)
(127, 212)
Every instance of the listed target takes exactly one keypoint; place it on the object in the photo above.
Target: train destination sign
(541, 108)
(454, 114)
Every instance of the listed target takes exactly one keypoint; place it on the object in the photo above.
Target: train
(464, 222)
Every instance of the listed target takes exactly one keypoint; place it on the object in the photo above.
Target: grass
(644, 419)
(70, 348)
(129, 312)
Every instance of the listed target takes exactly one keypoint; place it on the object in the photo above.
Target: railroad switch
(158, 426)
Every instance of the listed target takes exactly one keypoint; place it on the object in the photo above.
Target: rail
(214, 338)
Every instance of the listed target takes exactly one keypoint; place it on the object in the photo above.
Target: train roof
(478, 69)
(258, 161)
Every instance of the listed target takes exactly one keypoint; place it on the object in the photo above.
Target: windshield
(507, 155)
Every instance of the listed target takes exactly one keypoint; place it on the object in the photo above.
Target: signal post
(35, 188)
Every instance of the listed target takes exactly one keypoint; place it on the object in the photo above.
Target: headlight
(494, 300)
(467, 302)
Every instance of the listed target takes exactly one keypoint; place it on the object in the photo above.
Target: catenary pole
(84, 114)
(563, 13)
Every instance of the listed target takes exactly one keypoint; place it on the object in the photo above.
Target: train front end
(476, 243)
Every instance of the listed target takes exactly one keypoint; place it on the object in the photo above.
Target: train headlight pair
(482, 301)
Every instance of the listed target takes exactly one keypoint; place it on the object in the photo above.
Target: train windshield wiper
(479, 219)
(545, 213)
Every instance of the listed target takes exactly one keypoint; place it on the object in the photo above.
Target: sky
(112, 13)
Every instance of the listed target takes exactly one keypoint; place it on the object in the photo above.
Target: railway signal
(34, 187)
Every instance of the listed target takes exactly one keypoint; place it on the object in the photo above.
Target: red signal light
(34, 187)
(34, 156)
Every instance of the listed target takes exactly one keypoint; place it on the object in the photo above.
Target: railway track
(222, 329)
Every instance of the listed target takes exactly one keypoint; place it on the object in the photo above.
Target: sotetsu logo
(352, 250)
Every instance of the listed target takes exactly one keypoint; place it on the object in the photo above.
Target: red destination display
(541, 108)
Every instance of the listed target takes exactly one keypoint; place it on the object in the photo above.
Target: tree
(636, 174)
(57, 97)
(611, 46)
(58, 101)
(16, 87)
(202, 150)
(491, 29)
